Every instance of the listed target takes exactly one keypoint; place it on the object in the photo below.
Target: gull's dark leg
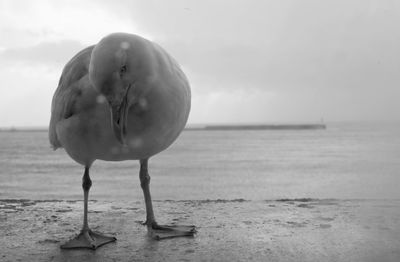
(158, 231)
(87, 238)
(145, 185)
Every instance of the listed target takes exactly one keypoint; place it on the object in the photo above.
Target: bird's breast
(155, 119)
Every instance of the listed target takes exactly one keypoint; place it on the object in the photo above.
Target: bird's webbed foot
(88, 239)
(159, 232)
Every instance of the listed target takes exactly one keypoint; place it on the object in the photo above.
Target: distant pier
(259, 127)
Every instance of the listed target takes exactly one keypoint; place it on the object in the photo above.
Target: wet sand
(228, 230)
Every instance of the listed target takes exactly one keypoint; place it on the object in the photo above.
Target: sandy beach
(228, 230)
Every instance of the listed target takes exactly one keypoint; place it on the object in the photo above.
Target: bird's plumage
(81, 122)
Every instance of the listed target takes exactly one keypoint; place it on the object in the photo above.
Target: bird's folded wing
(68, 92)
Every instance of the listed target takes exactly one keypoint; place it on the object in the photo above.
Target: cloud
(246, 60)
(26, 93)
(48, 53)
(27, 23)
(275, 45)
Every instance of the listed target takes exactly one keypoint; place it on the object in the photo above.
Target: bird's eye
(122, 70)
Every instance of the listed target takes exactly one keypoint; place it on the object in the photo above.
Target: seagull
(124, 98)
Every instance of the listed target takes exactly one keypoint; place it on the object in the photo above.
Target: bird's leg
(158, 231)
(87, 238)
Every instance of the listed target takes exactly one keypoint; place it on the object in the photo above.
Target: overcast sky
(247, 61)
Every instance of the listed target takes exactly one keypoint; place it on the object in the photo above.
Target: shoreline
(212, 127)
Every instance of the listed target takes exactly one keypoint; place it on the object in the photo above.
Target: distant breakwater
(260, 127)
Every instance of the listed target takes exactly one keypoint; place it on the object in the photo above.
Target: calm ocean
(345, 161)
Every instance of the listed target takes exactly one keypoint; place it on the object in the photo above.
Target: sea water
(345, 161)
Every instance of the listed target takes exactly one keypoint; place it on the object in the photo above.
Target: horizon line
(188, 126)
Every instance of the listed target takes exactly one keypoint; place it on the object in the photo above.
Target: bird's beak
(119, 115)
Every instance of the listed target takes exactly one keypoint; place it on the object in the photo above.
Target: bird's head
(114, 71)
